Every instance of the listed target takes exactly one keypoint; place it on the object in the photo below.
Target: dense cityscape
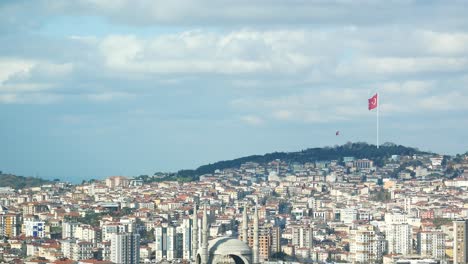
(233, 132)
(410, 209)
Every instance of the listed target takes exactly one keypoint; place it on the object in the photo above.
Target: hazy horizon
(79, 179)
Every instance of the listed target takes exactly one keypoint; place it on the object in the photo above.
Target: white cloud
(242, 12)
(22, 69)
(26, 81)
(445, 102)
(120, 50)
(410, 87)
(14, 67)
(332, 105)
(395, 65)
(8, 98)
(252, 120)
(53, 70)
(108, 96)
(445, 43)
(302, 116)
(283, 115)
(237, 52)
(24, 87)
(30, 98)
(313, 55)
(311, 67)
(308, 107)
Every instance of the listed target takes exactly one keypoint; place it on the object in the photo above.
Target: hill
(19, 182)
(357, 150)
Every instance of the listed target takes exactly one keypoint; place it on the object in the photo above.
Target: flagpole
(378, 110)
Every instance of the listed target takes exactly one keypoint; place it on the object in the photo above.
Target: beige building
(366, 245)
(460, 239)
(431, 244)
(117, 181)
(10, 225)
(265, 240)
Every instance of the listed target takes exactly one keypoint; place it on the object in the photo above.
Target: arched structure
(225, 250)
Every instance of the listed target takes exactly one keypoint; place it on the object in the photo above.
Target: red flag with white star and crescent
(373, 101)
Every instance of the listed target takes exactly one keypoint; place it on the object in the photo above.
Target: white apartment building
(125, 248)
(110, 229)
(395, 218)
(348, 215)
(77, 250)
(82, 250)
(186, 230)
(86, 233)
(34, 228)
(68, 229)
(168, 243)
(399, 239)
(431, 244)
(366, 245)
(302, 236)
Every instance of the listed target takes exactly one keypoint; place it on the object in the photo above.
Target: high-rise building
(87, 233)
(431, 244)
(68, 229)
(110, 229)
(302, 236)
(160, 236)
(34, 228)
(169, 242)
(275, 240)
(265, 241)
(460, 242)
(83, 250)
(125, 248)
(366, 245)
(399, 239)
(77, 250)
(185, 233)
(10, 225)
(259, 237)
(66, 247)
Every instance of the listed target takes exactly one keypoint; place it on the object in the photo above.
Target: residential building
(431, 244)
(399, 239)
(10, 224)
(168, 243)
(125, 248)
(460, 241)
(366, 245)
(34, 228)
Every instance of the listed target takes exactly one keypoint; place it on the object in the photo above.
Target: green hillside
(357, 150)
(19, 182)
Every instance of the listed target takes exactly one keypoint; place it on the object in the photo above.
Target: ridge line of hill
(357, 150)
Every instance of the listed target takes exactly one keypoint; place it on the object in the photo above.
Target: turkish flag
(373, 102)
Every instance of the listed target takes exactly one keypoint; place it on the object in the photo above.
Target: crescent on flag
(373, 101)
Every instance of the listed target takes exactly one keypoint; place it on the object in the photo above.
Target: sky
(94, 88)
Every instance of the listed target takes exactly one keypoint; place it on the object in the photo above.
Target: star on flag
(373, 101)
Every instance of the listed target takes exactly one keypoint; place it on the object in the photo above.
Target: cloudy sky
(92, 88)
